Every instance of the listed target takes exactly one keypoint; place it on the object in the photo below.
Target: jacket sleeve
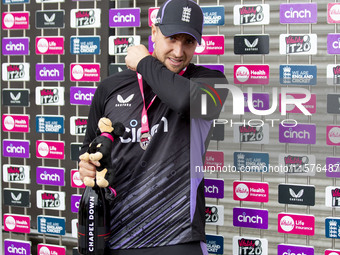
(95, 113)
(180, 93)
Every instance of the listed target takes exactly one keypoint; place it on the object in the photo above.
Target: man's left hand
(134, 55)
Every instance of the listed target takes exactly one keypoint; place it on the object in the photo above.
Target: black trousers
(179, 249)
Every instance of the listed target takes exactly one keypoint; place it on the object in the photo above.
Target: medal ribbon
(145, 122)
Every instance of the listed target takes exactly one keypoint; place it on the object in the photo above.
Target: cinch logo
(83, 97)
(12, 46)
(290, 133)
(293, 14)
(124, 18)
(15, 149)
(212, 93)
(249, 219)
(301, 133)
(49, 73)
(283, 249)
(132, 135)
(49, 177)
(16, 250)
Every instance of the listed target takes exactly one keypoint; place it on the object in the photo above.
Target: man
(159, 208)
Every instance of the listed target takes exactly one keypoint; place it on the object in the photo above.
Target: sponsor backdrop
(271, 171)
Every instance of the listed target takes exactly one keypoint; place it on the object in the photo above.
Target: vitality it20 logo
(15, 72)
(85, 18)
(243, 245)
(302, 44)
(118, 44)
(16, 174)
(49, 96)
(53, 200)
(251, 14)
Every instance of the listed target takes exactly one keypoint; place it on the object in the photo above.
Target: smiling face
(176, 51)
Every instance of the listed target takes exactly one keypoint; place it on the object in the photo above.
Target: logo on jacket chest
(124, 102)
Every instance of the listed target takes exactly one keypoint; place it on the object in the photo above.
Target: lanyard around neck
(145, 122)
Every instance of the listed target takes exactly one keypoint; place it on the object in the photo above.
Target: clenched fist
(134, 55)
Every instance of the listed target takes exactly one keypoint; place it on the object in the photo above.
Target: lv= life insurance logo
(299, 224)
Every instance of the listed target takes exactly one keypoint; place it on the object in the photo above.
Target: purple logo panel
(250, 218)
(49, 72)
(15, 46)
(75, 200)
(283, 249)
(214, 188)
(301, 133)
(16, 247)
(298, 13)
(129, 17)
(50, 176)
(82, 95)
(333, 43)
(16, 148)
(260, 101)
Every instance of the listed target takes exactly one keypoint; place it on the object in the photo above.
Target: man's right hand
(87, 169)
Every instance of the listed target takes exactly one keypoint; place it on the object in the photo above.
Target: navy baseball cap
(180, 16)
